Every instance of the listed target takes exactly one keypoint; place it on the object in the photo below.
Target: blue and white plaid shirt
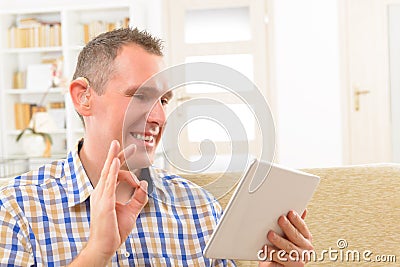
(45, 219)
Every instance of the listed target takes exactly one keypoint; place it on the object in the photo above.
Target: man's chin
(135, 162)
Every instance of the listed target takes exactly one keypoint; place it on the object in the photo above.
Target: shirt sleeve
(15, 248)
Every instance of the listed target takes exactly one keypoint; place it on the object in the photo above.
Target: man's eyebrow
(131, 90)
(169, 95)
(149, 89)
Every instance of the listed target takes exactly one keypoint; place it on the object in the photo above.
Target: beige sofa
(358, 204)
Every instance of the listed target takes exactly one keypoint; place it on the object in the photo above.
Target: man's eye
(164, 101)
(139, 96)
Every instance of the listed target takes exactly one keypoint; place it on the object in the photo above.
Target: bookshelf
(32, 37)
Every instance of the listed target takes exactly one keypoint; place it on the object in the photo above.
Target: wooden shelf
(31, 50)
(17, 132)
(76, 47)
(55, 90)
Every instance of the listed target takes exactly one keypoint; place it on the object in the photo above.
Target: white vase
(34, 145)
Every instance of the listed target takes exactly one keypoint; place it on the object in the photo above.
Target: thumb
(303, 216)
(139, 198)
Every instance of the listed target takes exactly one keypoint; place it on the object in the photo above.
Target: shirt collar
(79, 186)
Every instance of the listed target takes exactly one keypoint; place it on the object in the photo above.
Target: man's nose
(157, 114)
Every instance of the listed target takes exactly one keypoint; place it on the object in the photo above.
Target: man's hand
(296, 237)
(111, 221)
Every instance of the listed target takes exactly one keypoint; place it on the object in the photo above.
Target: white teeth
(143, 137)
(148, 138)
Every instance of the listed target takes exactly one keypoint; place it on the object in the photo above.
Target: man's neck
(92, 160)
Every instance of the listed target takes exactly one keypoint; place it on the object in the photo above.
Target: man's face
(131, 114)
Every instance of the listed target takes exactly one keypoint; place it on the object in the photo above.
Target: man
(90, 210)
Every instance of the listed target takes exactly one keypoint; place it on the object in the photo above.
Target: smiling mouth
(142, 137)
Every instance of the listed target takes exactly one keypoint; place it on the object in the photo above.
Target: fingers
(111, 174)
(297, 223)
(129, 177)
(112, 153)
(297, 238)
(139, 198)
(125, 154)
(295, 230)
(112, 177)
(285, 252)
(282, 244)
(303, 216)
(273, 256)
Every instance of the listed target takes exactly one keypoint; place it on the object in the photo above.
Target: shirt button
(127, 254)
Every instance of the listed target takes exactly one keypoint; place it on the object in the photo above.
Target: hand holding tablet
(266, 192)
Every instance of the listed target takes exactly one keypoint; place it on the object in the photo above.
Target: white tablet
(266, 192)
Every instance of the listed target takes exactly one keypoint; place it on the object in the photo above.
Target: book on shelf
(28, 22)
(94, 28)
(18, 80)
(22, 115)
(31, 32)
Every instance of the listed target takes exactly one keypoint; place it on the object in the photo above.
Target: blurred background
(328, 69)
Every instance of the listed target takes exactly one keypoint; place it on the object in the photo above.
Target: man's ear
(80, 92)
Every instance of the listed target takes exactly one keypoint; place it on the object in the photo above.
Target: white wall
(394, 52)
(309, 120)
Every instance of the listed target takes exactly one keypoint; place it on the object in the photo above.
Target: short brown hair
(96, 60)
